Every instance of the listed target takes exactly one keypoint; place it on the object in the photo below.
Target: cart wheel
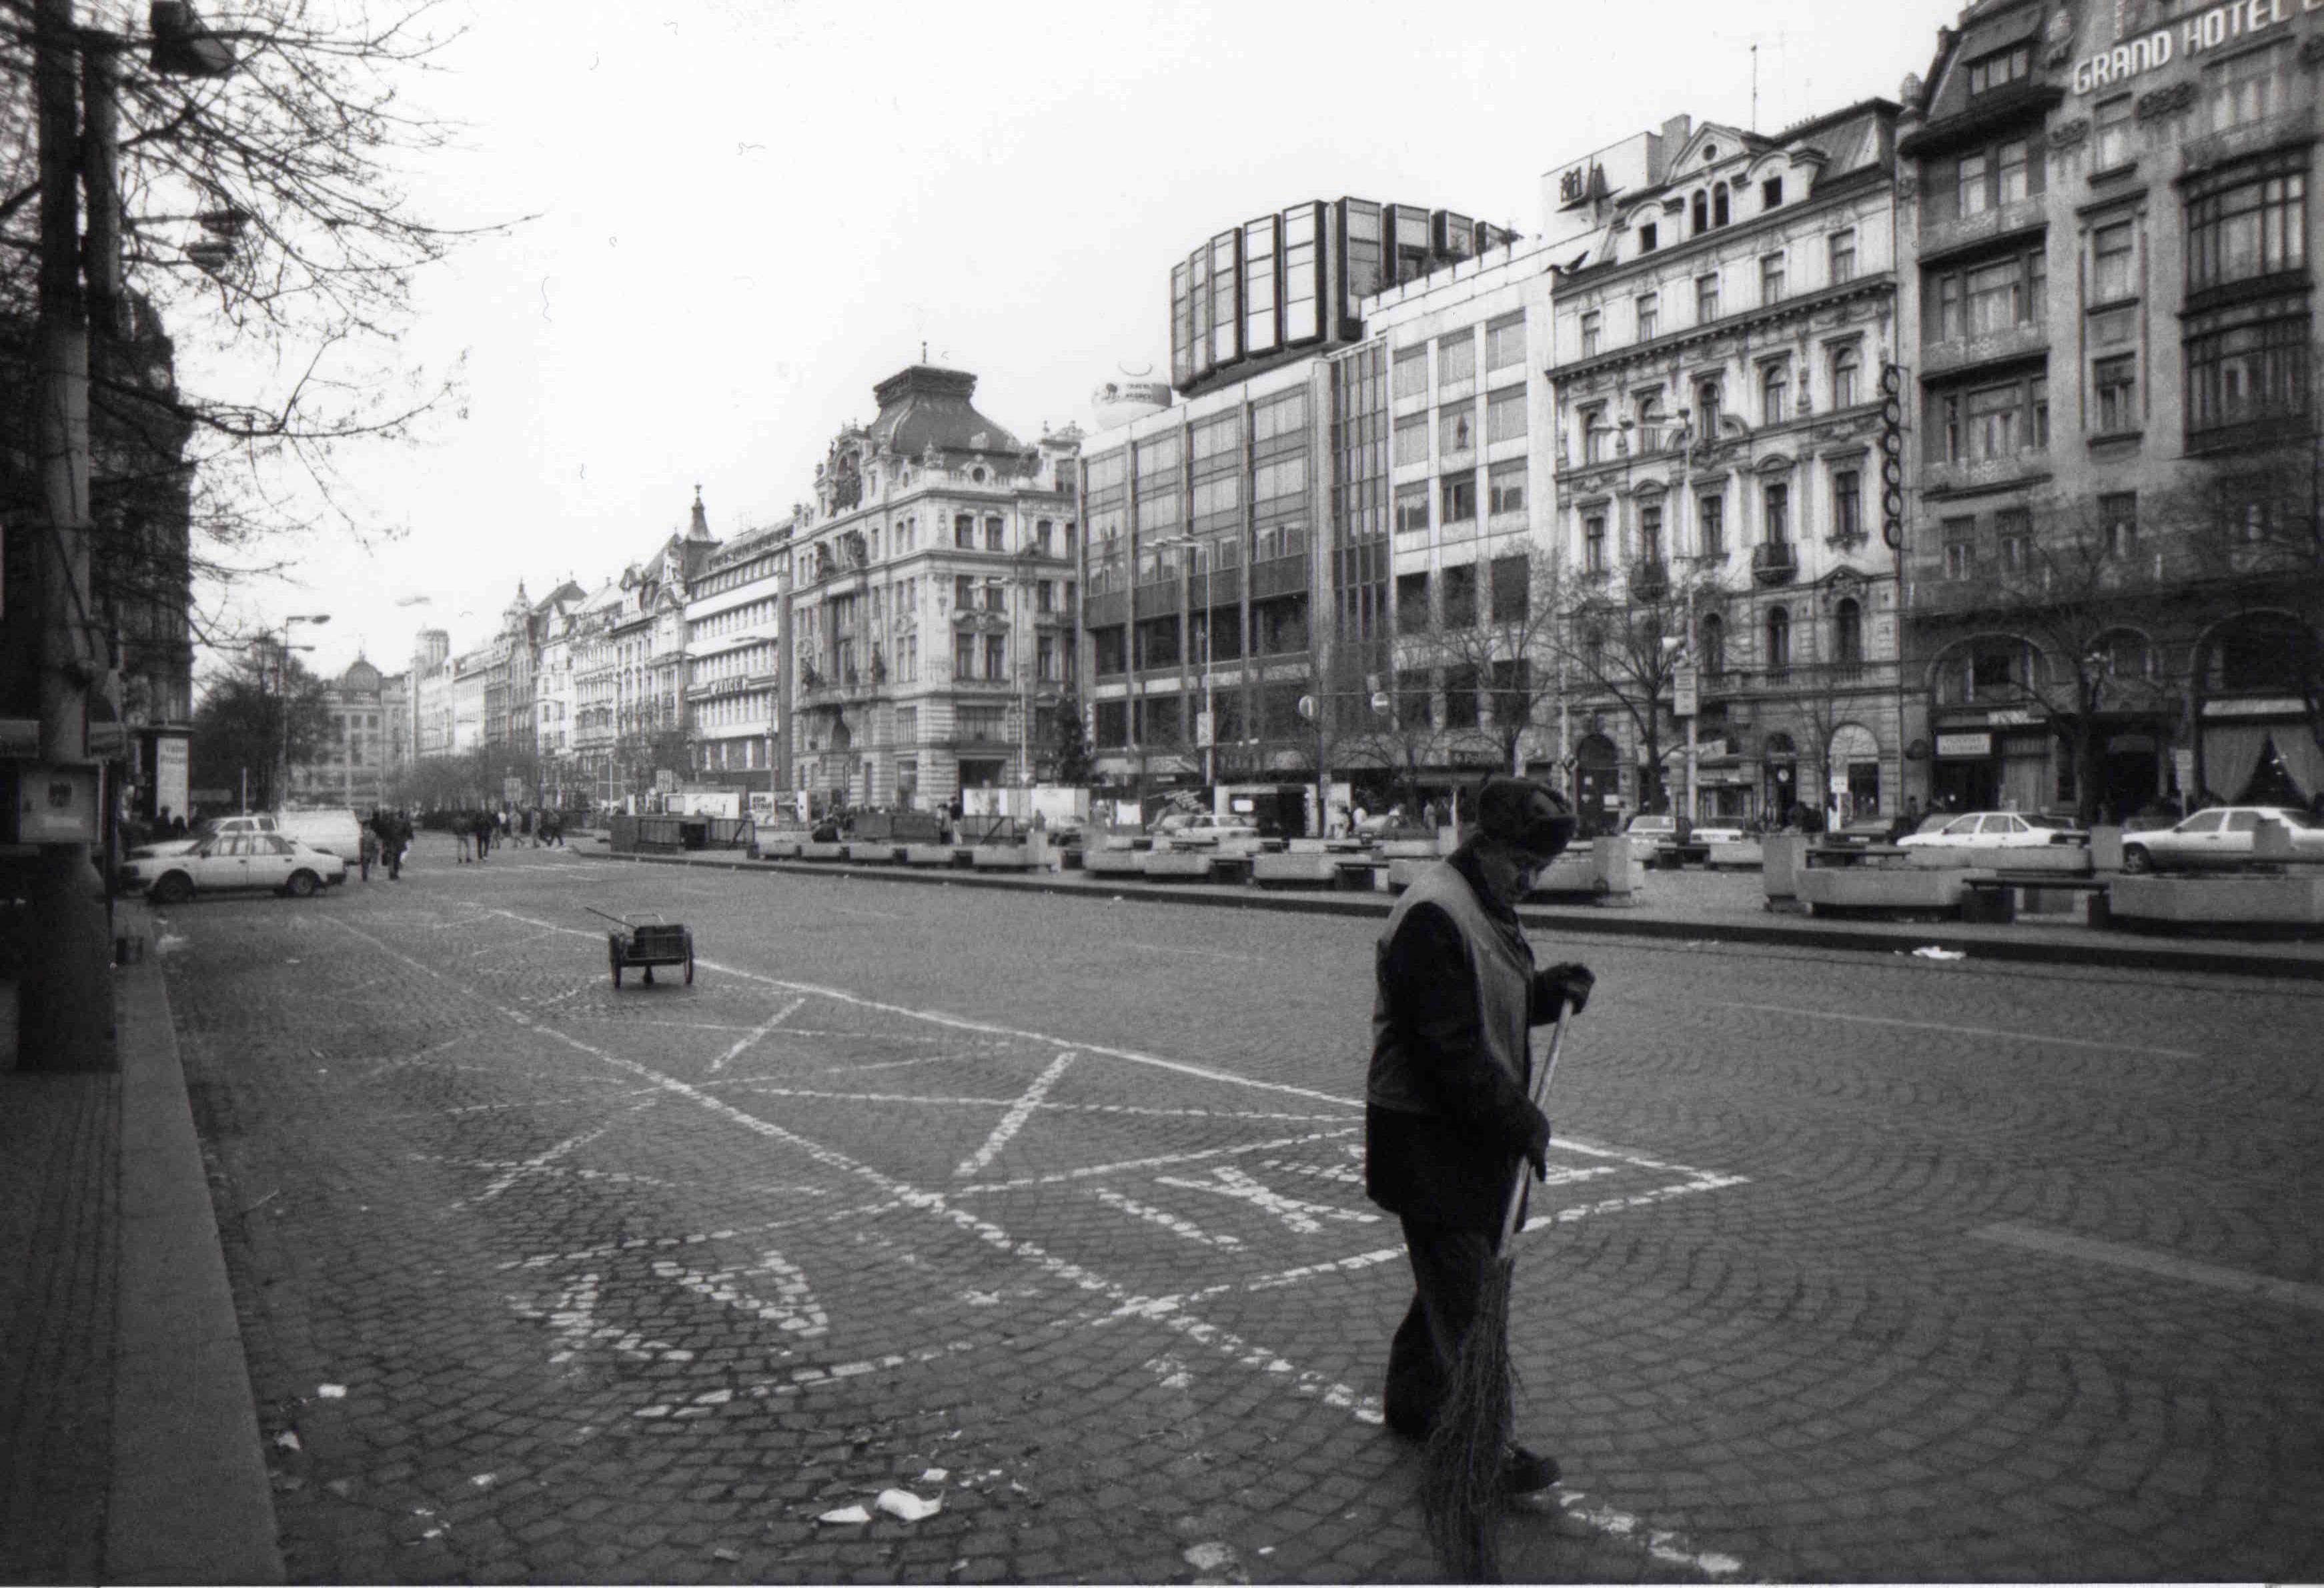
(613, 958)
(689, 965)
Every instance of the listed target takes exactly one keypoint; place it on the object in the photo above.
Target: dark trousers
(1450, 1266)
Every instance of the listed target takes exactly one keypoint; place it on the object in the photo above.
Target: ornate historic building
(934, 600)
(2114, 569)
(1717, 368)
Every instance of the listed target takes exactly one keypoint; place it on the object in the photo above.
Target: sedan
(1199, 829)
(1994, 829)
(227, 862)
(2223, 836)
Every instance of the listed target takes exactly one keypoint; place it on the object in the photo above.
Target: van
(336, 831)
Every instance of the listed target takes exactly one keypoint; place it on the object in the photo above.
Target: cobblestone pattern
(1058, 1198)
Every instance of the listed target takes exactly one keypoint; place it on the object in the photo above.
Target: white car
(338, 831)
(1661, 831)
(1994, 829)
(231, 861)
(1199, 829)
(2221, 837)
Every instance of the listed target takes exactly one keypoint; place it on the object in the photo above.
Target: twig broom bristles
(1461, 1481)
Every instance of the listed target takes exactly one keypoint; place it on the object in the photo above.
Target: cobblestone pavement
(1050, 1210)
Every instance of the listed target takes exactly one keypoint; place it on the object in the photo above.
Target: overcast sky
(749, 213)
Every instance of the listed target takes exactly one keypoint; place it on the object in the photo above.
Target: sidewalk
(129, 1443)
(1687, 906)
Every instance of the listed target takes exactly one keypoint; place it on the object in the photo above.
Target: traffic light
(1892, 456)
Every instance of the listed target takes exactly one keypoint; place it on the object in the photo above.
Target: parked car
(1661, 831)
(336, 831)
(1995, 829)
(2220, 836)
(1199, 829)
(228, 862)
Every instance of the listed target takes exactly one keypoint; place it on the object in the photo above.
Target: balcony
(1650, 581)
(2011, 345)
(1939, 238)
(1774, 562)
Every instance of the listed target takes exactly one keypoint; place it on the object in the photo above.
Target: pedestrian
(463, 838)
(1430, 816)
(484, 827)
(1359, 816)
(368, 851)
(1447, 1118)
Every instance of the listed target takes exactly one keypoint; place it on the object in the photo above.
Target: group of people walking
(387, 835)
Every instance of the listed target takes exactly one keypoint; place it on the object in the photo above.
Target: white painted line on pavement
(1165, 1161)
(1566, 1215)
(1196, 952)
(2034, 1036)
(1301, 1218)
(1167, 1221)
(1014, 1120)
(2162, 1264)
(756, 1033)
(1166, 1313)
(775, 1089)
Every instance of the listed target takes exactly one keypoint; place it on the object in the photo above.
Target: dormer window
(1719, 204)
(1701, 213)
(1647, 241)
(1771, 193)
(2005, 67)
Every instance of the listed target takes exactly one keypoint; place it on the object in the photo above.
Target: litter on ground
(846, 1514)
(906, 1506)
(331, 1391)
(1935, 953)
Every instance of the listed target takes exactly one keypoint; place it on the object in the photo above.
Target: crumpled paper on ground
(907, 1506)
(1933, 953)
(851, 1513)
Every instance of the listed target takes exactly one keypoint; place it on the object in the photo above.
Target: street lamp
(282, 705)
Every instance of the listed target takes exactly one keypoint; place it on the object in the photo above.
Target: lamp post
(282, 705)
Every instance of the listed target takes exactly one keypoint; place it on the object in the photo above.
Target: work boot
(1524, 1473)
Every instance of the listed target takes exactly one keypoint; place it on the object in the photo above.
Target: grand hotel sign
(2207, 29)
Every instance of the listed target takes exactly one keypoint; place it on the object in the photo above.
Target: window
(1779, 642)
(1777, 501)
(1461, 596)
(1647, 240)
(2118, 512)
(1986, 179)
(1505, 342)
(1412, 508)
(1285, 477)
(1848, 633)
(1505, 415)
(2013, 536)
(1512, 589)
(1714, 644)
(1771, 193)
(1961, 547)
(2111, 280)
(2250, 88)
(1456, 359)
(992, 534)
(1650, 532)
(1843, 256)
(964, 592)
(1456, 428)
(1774, 385)
(2250, 220)
(1847, 366)
(1591, 327)
(1997, 422)
(1278, 417)
(1593, 543)
(1505, 487)
(2006, 66)
(2009, 171)
(1706, 296)
(1702, 214)
(1771, 278)
(2115, 382)
(1411, 372)
(1595, 436)
(1707, 394)
(1973, 182)
(1710, 517)
(964, 531)
(964, 656)
(1847, 506)
(1650, 312)
(996, 657)
(1458, 495)
(2254, 370)
(1998, 296)
(1412, 439)
(2111, 120)
(1719, 204)
(1411, 603)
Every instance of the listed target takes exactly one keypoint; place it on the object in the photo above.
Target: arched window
(1714, 644)
(1848, 633)
(1719, 204)
(1779, 639)
(1701, 213)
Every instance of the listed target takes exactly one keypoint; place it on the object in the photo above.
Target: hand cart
(646, 942)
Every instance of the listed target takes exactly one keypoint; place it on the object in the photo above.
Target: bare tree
(1623, 638)
(1501, 645)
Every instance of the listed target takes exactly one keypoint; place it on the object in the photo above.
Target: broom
(1461, 1482)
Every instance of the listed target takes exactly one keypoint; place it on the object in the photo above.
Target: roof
(922, 406)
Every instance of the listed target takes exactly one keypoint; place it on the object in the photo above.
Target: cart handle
(625, 920)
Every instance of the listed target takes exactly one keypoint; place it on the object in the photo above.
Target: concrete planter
(2194, 902)
(1294, 868)
(1002, 857)
(1621, 865)
(1783, 857)
(930, 855)
(1836, 888)
(779, 849)
(1113, 863)
(812, 851)
(1179, 865)
(874, 854)
(1744, 856)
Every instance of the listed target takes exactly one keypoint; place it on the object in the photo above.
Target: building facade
(933, 601)
(2112, 579)
(432, 695)
(734, 695)
(1717, 369)
(354, 765)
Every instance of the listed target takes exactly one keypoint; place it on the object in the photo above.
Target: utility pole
(64, 1019)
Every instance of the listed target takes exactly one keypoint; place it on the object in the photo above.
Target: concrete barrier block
(812, 851)
(928, 854)
(1113, 863)
(1748, 855)
(2221, 900)
(2105, 849)
(874, 854)
(1001, 857)
(1187, 865)
(1409, 849)
(1621, 865)
(1294, 868)
(1864, 888)
(1783, 857)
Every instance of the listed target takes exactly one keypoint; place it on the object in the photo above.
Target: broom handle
(1540, 1091)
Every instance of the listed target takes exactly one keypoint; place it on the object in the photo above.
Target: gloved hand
(1576, 981)
(1536, 1147)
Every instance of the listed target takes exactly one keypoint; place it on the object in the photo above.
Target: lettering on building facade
(2209, 30)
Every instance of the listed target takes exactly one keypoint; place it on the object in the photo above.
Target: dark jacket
(1447, 1119)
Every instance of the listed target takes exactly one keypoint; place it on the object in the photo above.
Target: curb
(1587, 923)
(191, 1501)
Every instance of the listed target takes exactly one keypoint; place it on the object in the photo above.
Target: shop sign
(2182, 763)
(2012, 719)
(1963, 747)
(1687, 700)
(2254, 707)
(2207, 30)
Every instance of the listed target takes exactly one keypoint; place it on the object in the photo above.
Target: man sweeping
(1448, 1120)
